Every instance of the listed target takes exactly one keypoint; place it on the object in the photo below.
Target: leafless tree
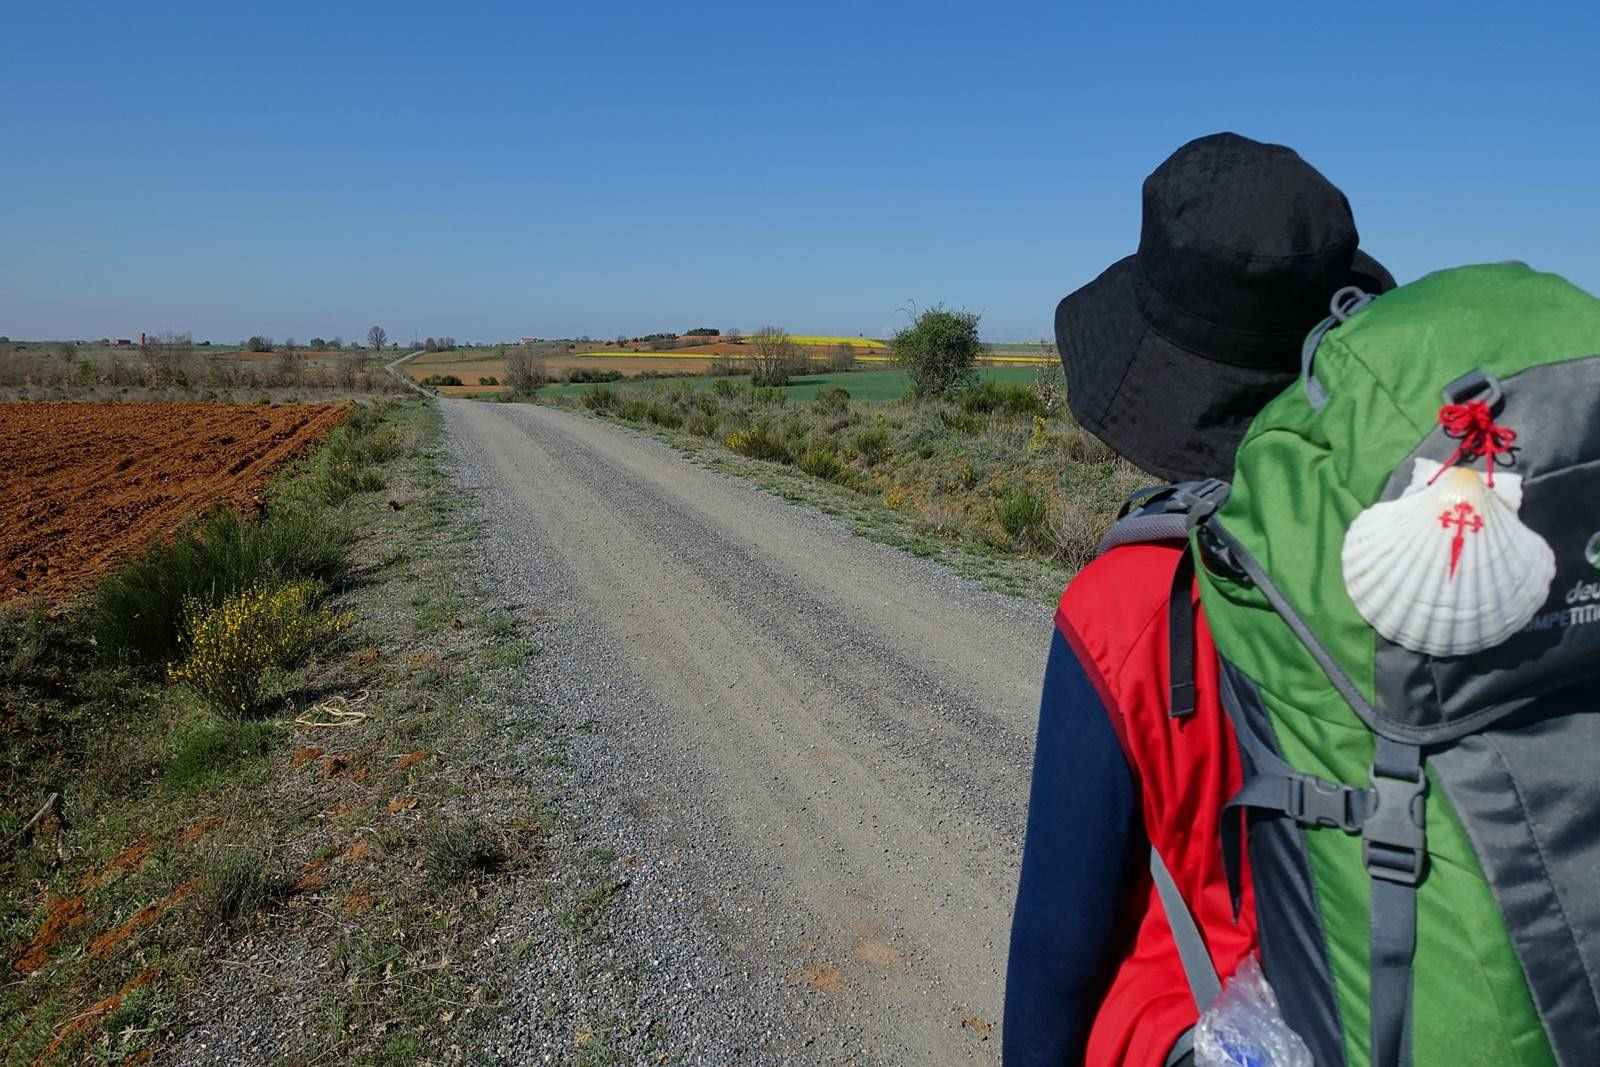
(843, 357)
(167, 356)
(288, 367)
(732, 336)
(525, 370)
(376, 337)
(774, 358)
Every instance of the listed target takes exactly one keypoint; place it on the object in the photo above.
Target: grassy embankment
(260, 735)
(869, 386)
(997, 480)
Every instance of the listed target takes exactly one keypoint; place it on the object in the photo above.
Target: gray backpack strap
(1192, 951)
(1182, 1052)
(1390, 817)
(1394, 845)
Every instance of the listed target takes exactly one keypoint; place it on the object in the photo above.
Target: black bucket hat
(1172, 351)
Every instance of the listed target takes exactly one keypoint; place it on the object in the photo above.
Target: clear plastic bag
(1243, 1027)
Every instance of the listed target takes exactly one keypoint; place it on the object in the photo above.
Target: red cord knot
(1473, 425)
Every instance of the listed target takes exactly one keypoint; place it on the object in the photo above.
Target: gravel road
(816, 747)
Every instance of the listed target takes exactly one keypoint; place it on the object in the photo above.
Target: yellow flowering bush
(228, 647)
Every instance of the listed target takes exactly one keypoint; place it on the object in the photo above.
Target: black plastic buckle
(1470, 385)
(1393, 836)
(1314, 802)
(1203, 500)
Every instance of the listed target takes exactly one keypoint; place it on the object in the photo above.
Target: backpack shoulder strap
(1167, 513)
(1192, 952)
(1163, 513)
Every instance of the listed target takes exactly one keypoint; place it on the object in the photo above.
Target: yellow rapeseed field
(853, 342)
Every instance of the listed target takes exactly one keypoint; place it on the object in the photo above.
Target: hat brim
(1177, 414)
(1372, 276)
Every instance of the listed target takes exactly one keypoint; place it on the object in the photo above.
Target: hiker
(1169, 355)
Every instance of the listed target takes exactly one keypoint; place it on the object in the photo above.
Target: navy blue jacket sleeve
(1082, 843)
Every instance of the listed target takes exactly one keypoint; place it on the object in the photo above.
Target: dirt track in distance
(85, 486)
(833, 735)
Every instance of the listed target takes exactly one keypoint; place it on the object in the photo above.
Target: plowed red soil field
(85, 486)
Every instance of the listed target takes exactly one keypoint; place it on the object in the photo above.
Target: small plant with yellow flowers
(229, 648)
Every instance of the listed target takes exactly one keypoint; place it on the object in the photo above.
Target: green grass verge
(175, 831)
(998, 480)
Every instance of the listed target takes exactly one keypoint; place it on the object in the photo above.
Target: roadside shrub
(136, 613)
(441, 379)
(822, 463)
(1042, 438)
(491, 380)
(230, 647)
(584, 375)
(1005, 397)
(725, 387)
(346, 462)
(662, 413)
(705, 402)
(872, 444)
(963, 422)
(236, 882)
(600, 399)
(833, 400)
(770, 395)
(1050, 384)
(939, 350)
(633, 409)
(758, 442)
(701, 424)
(1024, 515)
(1076, 536)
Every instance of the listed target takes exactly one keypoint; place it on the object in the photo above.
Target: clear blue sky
(488, 173)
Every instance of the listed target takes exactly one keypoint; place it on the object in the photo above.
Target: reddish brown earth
(87, 1022)
(62, 915)
(151, 913)
(85, 486)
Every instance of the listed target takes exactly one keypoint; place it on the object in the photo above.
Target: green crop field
(872, 385)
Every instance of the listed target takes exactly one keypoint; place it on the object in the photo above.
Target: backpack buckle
(1201, 500)
(1314, 802)
(1393, 835)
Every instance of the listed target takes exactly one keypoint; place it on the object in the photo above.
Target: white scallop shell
(1398, 554)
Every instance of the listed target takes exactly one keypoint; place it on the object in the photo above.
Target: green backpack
(1421, 803)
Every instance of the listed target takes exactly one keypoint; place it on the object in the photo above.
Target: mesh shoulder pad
(1164, 513)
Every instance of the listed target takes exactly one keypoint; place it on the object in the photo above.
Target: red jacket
(1113, 617)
